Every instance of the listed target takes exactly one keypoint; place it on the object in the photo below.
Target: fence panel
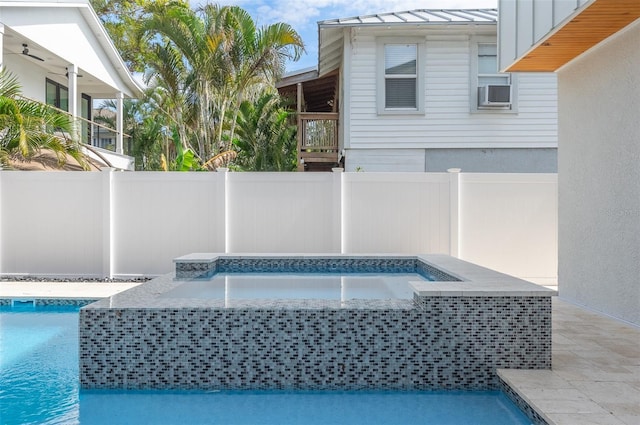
(51, 223)
(405, 213)
(282, 213)
(159, 216)
(119, 224)
(509, 223)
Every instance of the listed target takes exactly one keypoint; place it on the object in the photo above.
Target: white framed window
(491, 91)
(400, 86)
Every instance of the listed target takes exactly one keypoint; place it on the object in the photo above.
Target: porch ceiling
(54, 66)
(593, 24)
(62, 33)
(320, 93)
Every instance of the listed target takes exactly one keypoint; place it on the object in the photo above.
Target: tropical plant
(266, 140)
(27, 127)
(222, 57)
(121, 19)
(143, 130)
(258, 55)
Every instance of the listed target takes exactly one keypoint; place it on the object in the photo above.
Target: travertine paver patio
(595, 377)
(72, 290)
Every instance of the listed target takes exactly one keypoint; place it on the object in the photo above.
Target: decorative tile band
(194, 268)
(523, 405)
(438, 343)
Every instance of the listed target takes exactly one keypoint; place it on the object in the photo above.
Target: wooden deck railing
(317, 137)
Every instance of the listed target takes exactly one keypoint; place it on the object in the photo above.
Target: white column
(120, 123)
(72, 76)
(1, 44)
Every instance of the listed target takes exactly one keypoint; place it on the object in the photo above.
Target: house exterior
(592, 46)
(420, 91)
(62, 56)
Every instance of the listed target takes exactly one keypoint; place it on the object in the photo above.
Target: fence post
(108, 227)
(337, 211)
(454, 210)
(1, 206)
(221, 182)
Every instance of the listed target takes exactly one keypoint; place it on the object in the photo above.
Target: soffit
(584, 30)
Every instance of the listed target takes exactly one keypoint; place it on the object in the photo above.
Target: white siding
(448, 121)
(408, 160)
(32, 78)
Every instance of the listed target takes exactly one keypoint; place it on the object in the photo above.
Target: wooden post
(300, 129)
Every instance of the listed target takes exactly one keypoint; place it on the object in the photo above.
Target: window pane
(85, 112)
(400, 59)
(497, 80)
(400, 93)
(64, 99)
(487, 59)
(51, 94)
(487, 65)
(487, 50)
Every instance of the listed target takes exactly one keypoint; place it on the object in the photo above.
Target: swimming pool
(39, 384)
(452, 334)
(283, 286)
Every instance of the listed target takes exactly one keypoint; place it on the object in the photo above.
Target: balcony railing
(317, 138)
(89, 131)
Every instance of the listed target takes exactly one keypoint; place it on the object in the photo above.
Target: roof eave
(105, 40)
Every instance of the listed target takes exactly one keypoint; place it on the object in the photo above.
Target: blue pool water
(326, 286)
(39, 385)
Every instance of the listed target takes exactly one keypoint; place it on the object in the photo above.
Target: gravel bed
(71, 279)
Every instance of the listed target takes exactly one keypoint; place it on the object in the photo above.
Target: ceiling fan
(25, 51)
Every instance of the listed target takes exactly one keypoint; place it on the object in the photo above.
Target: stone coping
(476, 282)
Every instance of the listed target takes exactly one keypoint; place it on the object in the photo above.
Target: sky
(303, 15)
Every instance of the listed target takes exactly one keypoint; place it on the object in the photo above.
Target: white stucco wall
(599, 177)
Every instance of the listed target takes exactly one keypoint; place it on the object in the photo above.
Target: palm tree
(223, 56)
(256, 56)
(266, 139)
(142, 121)
(189, 35)
(26, 126)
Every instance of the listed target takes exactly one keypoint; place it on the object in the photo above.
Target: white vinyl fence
(117, 224)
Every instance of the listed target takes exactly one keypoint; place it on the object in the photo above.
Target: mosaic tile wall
(25, 302)
(442, 343)
(310, 265)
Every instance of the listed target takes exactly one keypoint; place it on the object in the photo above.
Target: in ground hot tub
(459, 324)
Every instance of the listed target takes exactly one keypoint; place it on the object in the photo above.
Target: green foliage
(266, 141)
(121, 19)
(28, 126)
(200, 66)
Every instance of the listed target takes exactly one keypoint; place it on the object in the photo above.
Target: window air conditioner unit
(494, 95)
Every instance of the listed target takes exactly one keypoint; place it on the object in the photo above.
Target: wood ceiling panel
(594, 24)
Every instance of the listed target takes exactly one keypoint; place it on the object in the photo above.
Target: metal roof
(419, 16)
